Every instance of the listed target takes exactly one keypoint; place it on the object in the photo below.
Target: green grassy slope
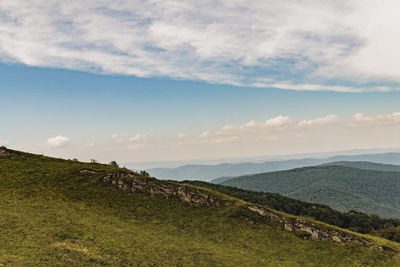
(342, 188)
(53, 214)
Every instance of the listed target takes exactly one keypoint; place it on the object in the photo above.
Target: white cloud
(276, 123)
(3, 142)
(324, 121)
(318, 87)
(218, 42)
(58, 141)
(359, 119)
(137, 137)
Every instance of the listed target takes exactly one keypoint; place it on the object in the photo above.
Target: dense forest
(342, 188)
(366, 165)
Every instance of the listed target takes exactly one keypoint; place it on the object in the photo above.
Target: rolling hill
(210, 172)
(342, 188)
(58, 212)
(366, 165)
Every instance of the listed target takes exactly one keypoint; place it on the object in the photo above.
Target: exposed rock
(265, 213)
(153, 187)
(337, 239)
(314, 231)
(88, 171)
(288, 227)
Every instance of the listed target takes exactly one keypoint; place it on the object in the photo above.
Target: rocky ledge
(308, 229)
(148, 185)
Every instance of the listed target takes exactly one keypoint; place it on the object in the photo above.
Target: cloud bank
(346, 46)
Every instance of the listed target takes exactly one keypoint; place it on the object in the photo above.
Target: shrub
(144, 173)
(114, 163)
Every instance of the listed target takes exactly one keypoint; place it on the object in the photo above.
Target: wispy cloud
(262, 43)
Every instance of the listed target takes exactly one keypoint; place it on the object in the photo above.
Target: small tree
(93, 161)
(144, 173)
(114, 163)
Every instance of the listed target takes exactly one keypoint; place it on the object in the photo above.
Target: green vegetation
(342, 188)
(57, 212)
(365, 165)
(114, 163)
(353, 220)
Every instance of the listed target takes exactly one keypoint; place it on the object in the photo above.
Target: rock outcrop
(135, 183)
(308, 229)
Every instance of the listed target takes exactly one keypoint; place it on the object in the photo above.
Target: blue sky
(40, 103)
(136, 81)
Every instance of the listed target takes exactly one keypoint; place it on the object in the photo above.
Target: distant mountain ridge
(210, 172)
(366, 165)
(341, 187)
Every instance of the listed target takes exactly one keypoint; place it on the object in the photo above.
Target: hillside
(63, 212)
(355, 221)
(366, 165)
(342, 188)
(210, 172)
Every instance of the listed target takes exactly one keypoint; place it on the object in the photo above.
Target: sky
(137, 81)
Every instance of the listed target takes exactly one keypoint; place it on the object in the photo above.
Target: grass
(51, 214)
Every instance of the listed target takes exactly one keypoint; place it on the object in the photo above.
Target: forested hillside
(366, 165)
(342, 188)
